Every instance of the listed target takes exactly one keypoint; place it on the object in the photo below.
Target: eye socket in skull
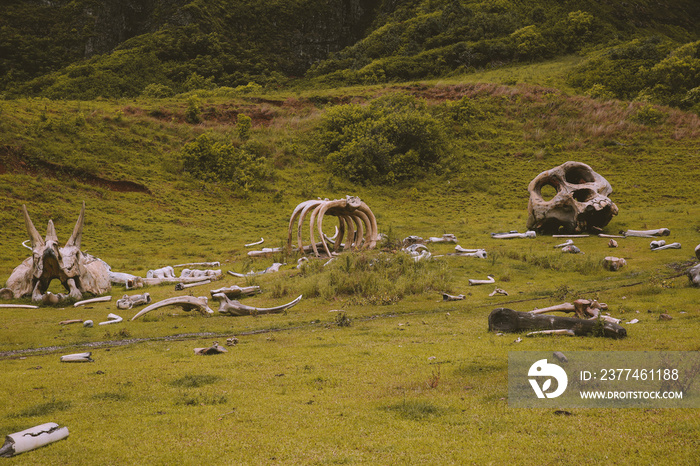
(580, 202)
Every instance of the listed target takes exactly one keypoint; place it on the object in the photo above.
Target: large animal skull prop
(78, 272)
(581, 201)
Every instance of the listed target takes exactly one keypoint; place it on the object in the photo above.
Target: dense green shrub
(212, 161)
(393, 138)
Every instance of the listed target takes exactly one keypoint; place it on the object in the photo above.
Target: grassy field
(412, 379)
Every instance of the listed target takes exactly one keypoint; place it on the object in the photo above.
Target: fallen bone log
(667, 246)
(460, 251)
(648, 233)
(32, 438)
(182, 286)
(514, 234)
(508, 320)
(236, 291)
(18, 306)
(613, 263)
(694, 275)
(187, 303)
(235, 308)
(446, 238)
(129, 281)
(77, 357)
(102, 299)
(127, 302)
(250, 245)
(163, 272)
(474, 281)
(112, 319)
(449, 297)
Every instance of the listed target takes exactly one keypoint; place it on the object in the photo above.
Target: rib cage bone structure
(356, 222)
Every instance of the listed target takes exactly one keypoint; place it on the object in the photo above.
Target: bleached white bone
(127, 302)
(236, 291)
(614, 263)
(249, 245)
(264, 252)
(474, 281)
(514, 234)
(571, 249)
(187, 303)
(423, 255)
(567, 243)
(657, 244)
(32, 438)
(446, 238)
(201, 274)
(235, 308)
(101, 299)
(182, 286)
(126, 279)
(449, 297)
(163, 272)
(24, 243)
(648, 233)
(275, 267)
(561, 331)
(498, 291)
(667, 246)
(77, 357)
(113, 319)
(583, 235)
(18, 306)
(612, 243)
(694, 275)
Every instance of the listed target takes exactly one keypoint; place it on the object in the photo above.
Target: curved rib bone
(187, 303)
(113, 319)
(235, 308)
(101, 299)
(262, 240)
(127, 302)
(473, 281)
(236, 291)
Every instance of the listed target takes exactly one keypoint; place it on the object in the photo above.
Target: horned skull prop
(581, 201)
(354, 217)
(77, 271)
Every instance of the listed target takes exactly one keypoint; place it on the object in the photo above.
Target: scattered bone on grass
(562, 331)
(446, 238)
(129, 281)
(187, 303)
(127, 302)
(30, 439)
(112, 319)
(612, 243)
(77, 357)
(514, 234)
(613, 263)
(275, 267)
(71, 321)
(182, 286)
(235, 308)
(460, 251)
(18, 306)
(694, 275)
(498, 291)
(163, 272)
(449, 297)
(250, 245)
(101, 299)
(508, 320)
(648, 233)
(474, 281)
(199, 264)
(215, 348)
(88, 324)
(236, 291)
(666, 246)
(566, 243)
(571, 249)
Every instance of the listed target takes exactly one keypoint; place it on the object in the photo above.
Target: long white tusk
(101, 299)
(235, 308)
(473, 281)
(187, 303)
(262, 240)
(113, 319)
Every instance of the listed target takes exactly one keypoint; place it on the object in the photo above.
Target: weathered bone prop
(354, 218)
(648, 233)
(187, 303)
(508, 320)
(127, 302)
(663, 245)
(584, 309)
(580, 204)
(480, 253)
(112, 319)
(446, 238)
(201, 274)
(237, 291)
(275, 267)
(78, 272)
(101, 299)
(514, 234)
(163, 272)
(129, 281)
(490, 279)
(694, 272)
(33, 438)
(235, 308)
(449, 297)
(613, 263)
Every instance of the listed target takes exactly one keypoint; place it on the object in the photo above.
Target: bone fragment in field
(474, 281)
(566, 243)
(418, 251)
(200, 264)
(562, 331)
(101, 299)
(571, 249)
(250, 245)
(694, 275)
(509, 320)
(449, 297)
(127, 302)
(77, 357)
(661, 245)
(215, 348)
(52, 299)
(71, 321)
(478, 252)
(77, 271)
(275, 267)
(584, 309)
(498, 291)
(182, 286)
(18, 306)
(613, 263)
(128, 280)
(612, 243)
(236, 308)
(112, 319)
(581, 202)
(236, 291)
(648, 233)
(446, 238)
(561, 357)
(187, 303)
(30, 439)
(514, 234)
(88, 324)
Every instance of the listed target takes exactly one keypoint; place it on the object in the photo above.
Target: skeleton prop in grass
(694, 272)
(77, 271)
(580, 204)
(355, 220)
